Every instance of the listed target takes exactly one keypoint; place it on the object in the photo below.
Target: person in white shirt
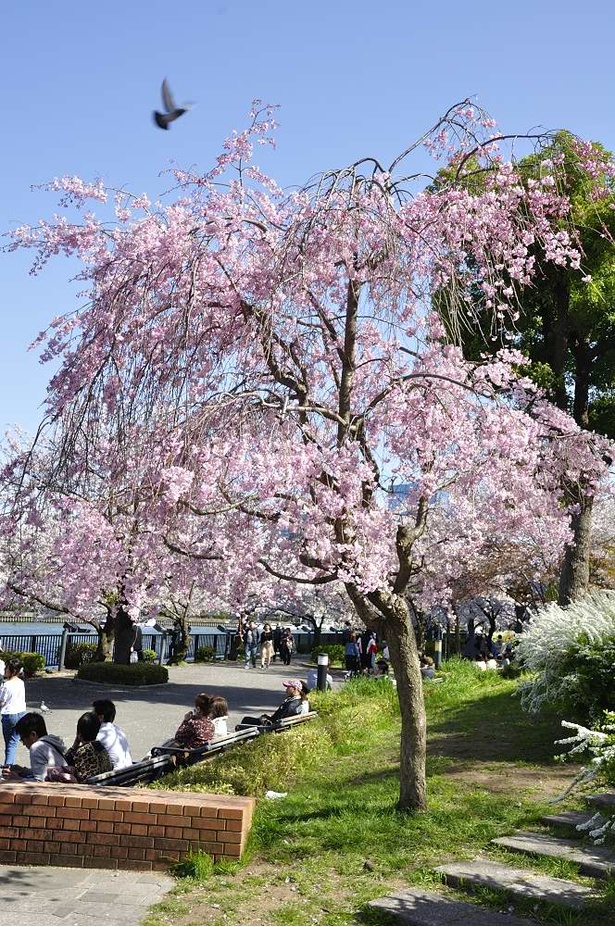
(218, 714)
(12, 708)
(45, 749)
(112, 737)
(312, 679)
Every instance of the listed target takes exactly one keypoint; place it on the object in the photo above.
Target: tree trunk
(106, 639)
(574, 576)
(124, 635)
(183, 640)
(413, 748)
(389, 615)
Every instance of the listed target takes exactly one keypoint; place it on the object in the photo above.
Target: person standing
(352, 654)
(370, 652)
(12, 707)
(277, 640)
(266, 646)
(252, 639)
(286, 646)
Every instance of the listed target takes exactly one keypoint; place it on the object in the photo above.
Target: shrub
(600, 744)
(571, 651)
(335, 653)
(132, 674)
(204, 654)
(32, 663)
(78, 654)
(150, 656)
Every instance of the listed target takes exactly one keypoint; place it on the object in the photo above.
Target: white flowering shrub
(571, 652)
(600, 744)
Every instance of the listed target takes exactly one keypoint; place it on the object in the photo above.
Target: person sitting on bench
(197, 728)
(218, 714)
(88, 756)
(111, 736)
(46, 750)
(292, 705)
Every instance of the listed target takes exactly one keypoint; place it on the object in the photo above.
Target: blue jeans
(11, 737)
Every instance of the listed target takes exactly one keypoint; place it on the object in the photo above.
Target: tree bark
(574, 575)
(389, 615)
(124, 635)
(413, 747)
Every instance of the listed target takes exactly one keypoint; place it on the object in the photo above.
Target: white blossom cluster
(545, 648)
(600, 744)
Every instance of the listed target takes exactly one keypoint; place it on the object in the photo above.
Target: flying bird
(173, 112)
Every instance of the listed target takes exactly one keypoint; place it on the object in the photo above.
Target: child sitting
(218, 714)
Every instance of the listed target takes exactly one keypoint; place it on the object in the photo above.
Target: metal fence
(49, 645)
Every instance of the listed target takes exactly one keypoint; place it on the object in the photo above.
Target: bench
(186, 757)
(279, 726)
(145, 771)
(166, 758)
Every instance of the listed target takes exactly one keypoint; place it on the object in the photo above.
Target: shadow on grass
(494, 728)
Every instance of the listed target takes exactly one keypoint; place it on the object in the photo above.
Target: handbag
(61, 774)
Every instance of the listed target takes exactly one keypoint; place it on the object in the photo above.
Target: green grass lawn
(337, 841)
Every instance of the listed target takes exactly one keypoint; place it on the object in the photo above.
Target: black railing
(49, 645)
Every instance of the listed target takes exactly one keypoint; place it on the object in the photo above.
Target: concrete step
(605, 801)
(597, 862)
(566, 819)
(519, 883)
(416, 906)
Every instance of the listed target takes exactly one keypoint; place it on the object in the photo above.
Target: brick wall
(59, 824)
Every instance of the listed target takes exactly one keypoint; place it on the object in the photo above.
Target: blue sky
(352, 79)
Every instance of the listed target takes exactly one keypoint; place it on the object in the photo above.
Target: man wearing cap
(290, 706)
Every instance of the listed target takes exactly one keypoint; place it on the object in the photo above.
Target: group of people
(207, 721)
(360, 650)
(494, 653)
(99, 746)
(265, 645)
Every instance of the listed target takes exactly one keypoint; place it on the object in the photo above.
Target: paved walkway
(48, 895)
(151, 714)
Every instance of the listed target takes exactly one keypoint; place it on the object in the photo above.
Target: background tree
(566, 320)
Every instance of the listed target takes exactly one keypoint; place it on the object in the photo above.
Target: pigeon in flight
(162, 120)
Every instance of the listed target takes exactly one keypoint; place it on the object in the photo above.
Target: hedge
(32, 663)
(124, 674)
(335, 652)
(79, 654)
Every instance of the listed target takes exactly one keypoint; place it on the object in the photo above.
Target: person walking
(12, 708)
(266, 646)
(252, 639)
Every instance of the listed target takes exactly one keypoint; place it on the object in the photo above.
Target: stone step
(519, 883)
(597, 862)
(416, 906)
(566, 819)
(604, 801)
